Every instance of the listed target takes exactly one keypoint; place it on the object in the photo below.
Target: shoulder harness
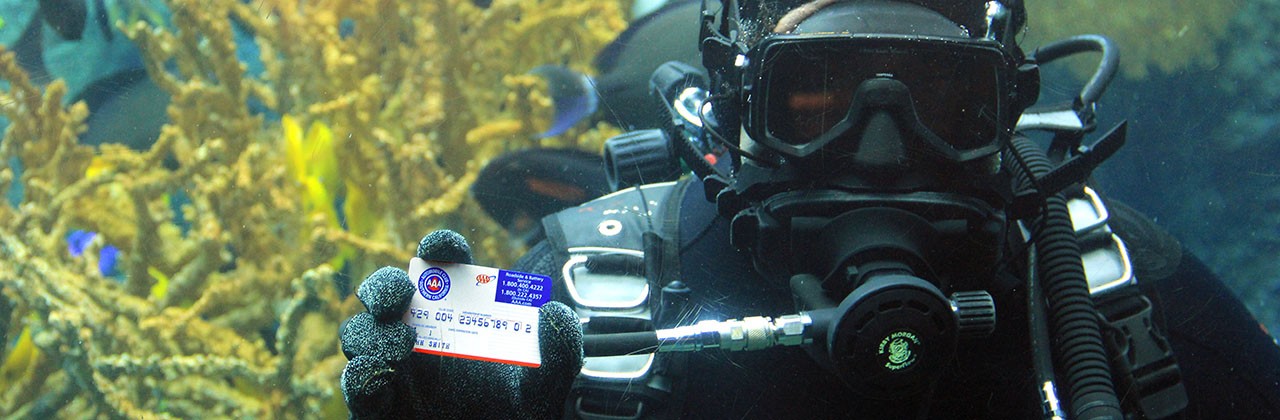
(615, 253)
(1145, 371)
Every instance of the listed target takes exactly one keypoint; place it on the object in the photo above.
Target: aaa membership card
(476, 312)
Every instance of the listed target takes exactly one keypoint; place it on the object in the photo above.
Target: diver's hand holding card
(476, 312)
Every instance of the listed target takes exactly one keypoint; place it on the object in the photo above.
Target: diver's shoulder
(641, 203)
(540, 259)
(1155, 253)
(616, 220)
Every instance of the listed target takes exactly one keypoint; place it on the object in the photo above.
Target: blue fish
(103, 18)
(126, 107)
(620, 92)
(108, 257)
(572, 94)
(66, 17)
(55, 38)
(78, 240)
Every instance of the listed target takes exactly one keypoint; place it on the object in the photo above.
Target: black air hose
(1107, 66)
(1079, 351)
(644, 342)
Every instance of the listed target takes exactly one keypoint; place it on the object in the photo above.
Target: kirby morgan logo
(483, 279)
(899, 350)
(433, 283)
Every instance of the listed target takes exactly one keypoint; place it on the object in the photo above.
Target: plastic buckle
(1147, 373)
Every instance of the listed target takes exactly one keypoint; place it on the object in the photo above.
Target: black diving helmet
(858, 86)
(870, 178)
(946, 94)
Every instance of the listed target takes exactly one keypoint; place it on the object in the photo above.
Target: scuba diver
(870, 231)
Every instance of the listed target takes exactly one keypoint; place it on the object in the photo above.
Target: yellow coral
(1166, 35)
(392, 104)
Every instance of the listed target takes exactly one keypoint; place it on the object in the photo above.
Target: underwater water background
(194, 188)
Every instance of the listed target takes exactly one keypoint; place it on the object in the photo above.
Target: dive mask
(803, 92)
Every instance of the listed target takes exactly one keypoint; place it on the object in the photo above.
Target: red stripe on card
(483, 359)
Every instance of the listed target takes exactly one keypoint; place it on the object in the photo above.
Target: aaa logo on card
(483, 279)
(433, 283)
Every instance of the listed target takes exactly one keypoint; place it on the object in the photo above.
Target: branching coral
(1166, 35)
(415, 96)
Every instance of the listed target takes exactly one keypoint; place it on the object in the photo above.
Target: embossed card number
(476, 312)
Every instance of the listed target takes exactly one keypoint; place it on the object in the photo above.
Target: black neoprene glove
(384, 378)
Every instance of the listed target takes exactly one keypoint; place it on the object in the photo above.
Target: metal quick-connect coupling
(751, 333)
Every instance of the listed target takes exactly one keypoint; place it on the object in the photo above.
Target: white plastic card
(476, 312)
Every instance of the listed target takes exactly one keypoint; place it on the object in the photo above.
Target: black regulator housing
(891, 281)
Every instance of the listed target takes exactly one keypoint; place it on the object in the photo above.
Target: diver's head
(870, 133)
(876, 93)
(843, 106)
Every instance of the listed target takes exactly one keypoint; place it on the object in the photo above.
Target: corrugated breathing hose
(1079, 352)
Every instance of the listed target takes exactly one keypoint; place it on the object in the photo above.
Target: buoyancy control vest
(615, 260)
(619, 258)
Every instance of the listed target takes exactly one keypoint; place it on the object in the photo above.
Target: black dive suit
(1230, 365)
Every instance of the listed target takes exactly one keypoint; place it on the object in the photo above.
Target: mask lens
(956, 98)
(810, 87)
(810, 90)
